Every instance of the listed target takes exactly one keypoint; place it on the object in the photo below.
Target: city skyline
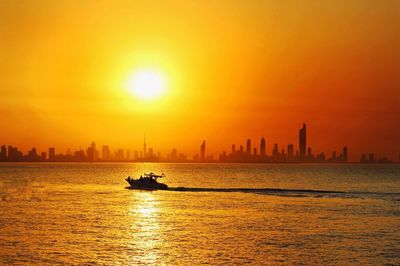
(258, 153)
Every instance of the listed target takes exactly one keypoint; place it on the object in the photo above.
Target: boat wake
(291, 192)
(269, 190)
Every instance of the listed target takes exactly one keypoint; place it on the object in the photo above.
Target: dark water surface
(213, 213)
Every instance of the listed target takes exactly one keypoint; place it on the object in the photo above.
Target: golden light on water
(146, 84)
(146, 235)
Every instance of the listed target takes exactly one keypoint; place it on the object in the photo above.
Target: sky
(233, 70)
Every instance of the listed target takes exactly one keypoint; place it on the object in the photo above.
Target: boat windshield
(153, 176)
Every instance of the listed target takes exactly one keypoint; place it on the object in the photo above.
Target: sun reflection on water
(145, 228)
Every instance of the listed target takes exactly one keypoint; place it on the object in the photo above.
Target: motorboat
(147, 181)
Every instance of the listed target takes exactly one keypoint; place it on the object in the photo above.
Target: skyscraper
(106, 154)
(248, 147)
(275, 151)
(92, 152)
(3, 154)
(119, 155)
(262, 147)
(290, 151)
(303, 142)
(14, 155)
(345, 154)
(144, 146)
(32, 155)
(203, 151)
(151, 153)
(371, 158)
(52, 154)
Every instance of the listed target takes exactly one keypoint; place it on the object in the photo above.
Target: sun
(146, 84)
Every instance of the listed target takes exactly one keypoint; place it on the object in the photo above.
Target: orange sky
(236, 69)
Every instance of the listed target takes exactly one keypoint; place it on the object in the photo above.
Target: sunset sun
(146, 84)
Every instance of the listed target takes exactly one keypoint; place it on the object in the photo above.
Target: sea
(218, 214)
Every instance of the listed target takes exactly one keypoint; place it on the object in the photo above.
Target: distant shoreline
(204, 162)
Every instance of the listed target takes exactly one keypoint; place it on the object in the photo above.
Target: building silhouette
(32, 155)
(247, 154)
(303, 142)
(275, 151)
(106, 154)
(262, 148)
(91, 152)
(14, 155)
(119, 155)
(345, 154)
(290, 152)
(248, 147)
(52, 154)
(203, 151)
(309, 154)
(144, 147)
(3, 153)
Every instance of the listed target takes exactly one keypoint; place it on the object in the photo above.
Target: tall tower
(345, 154)
(3, 153)
(275, 151)
(203, 150)
(52, 154)
(290, 151)
(91, 152)
(303, 142)
(262, 147)
(144, 146)
(248, 147)
(106, 153)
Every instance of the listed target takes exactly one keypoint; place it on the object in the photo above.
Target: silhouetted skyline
(92, 153)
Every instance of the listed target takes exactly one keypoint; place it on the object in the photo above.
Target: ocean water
(214, 214)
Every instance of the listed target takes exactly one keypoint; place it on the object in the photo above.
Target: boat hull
(138, 184)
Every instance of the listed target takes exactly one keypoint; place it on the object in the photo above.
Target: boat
(147, 181)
